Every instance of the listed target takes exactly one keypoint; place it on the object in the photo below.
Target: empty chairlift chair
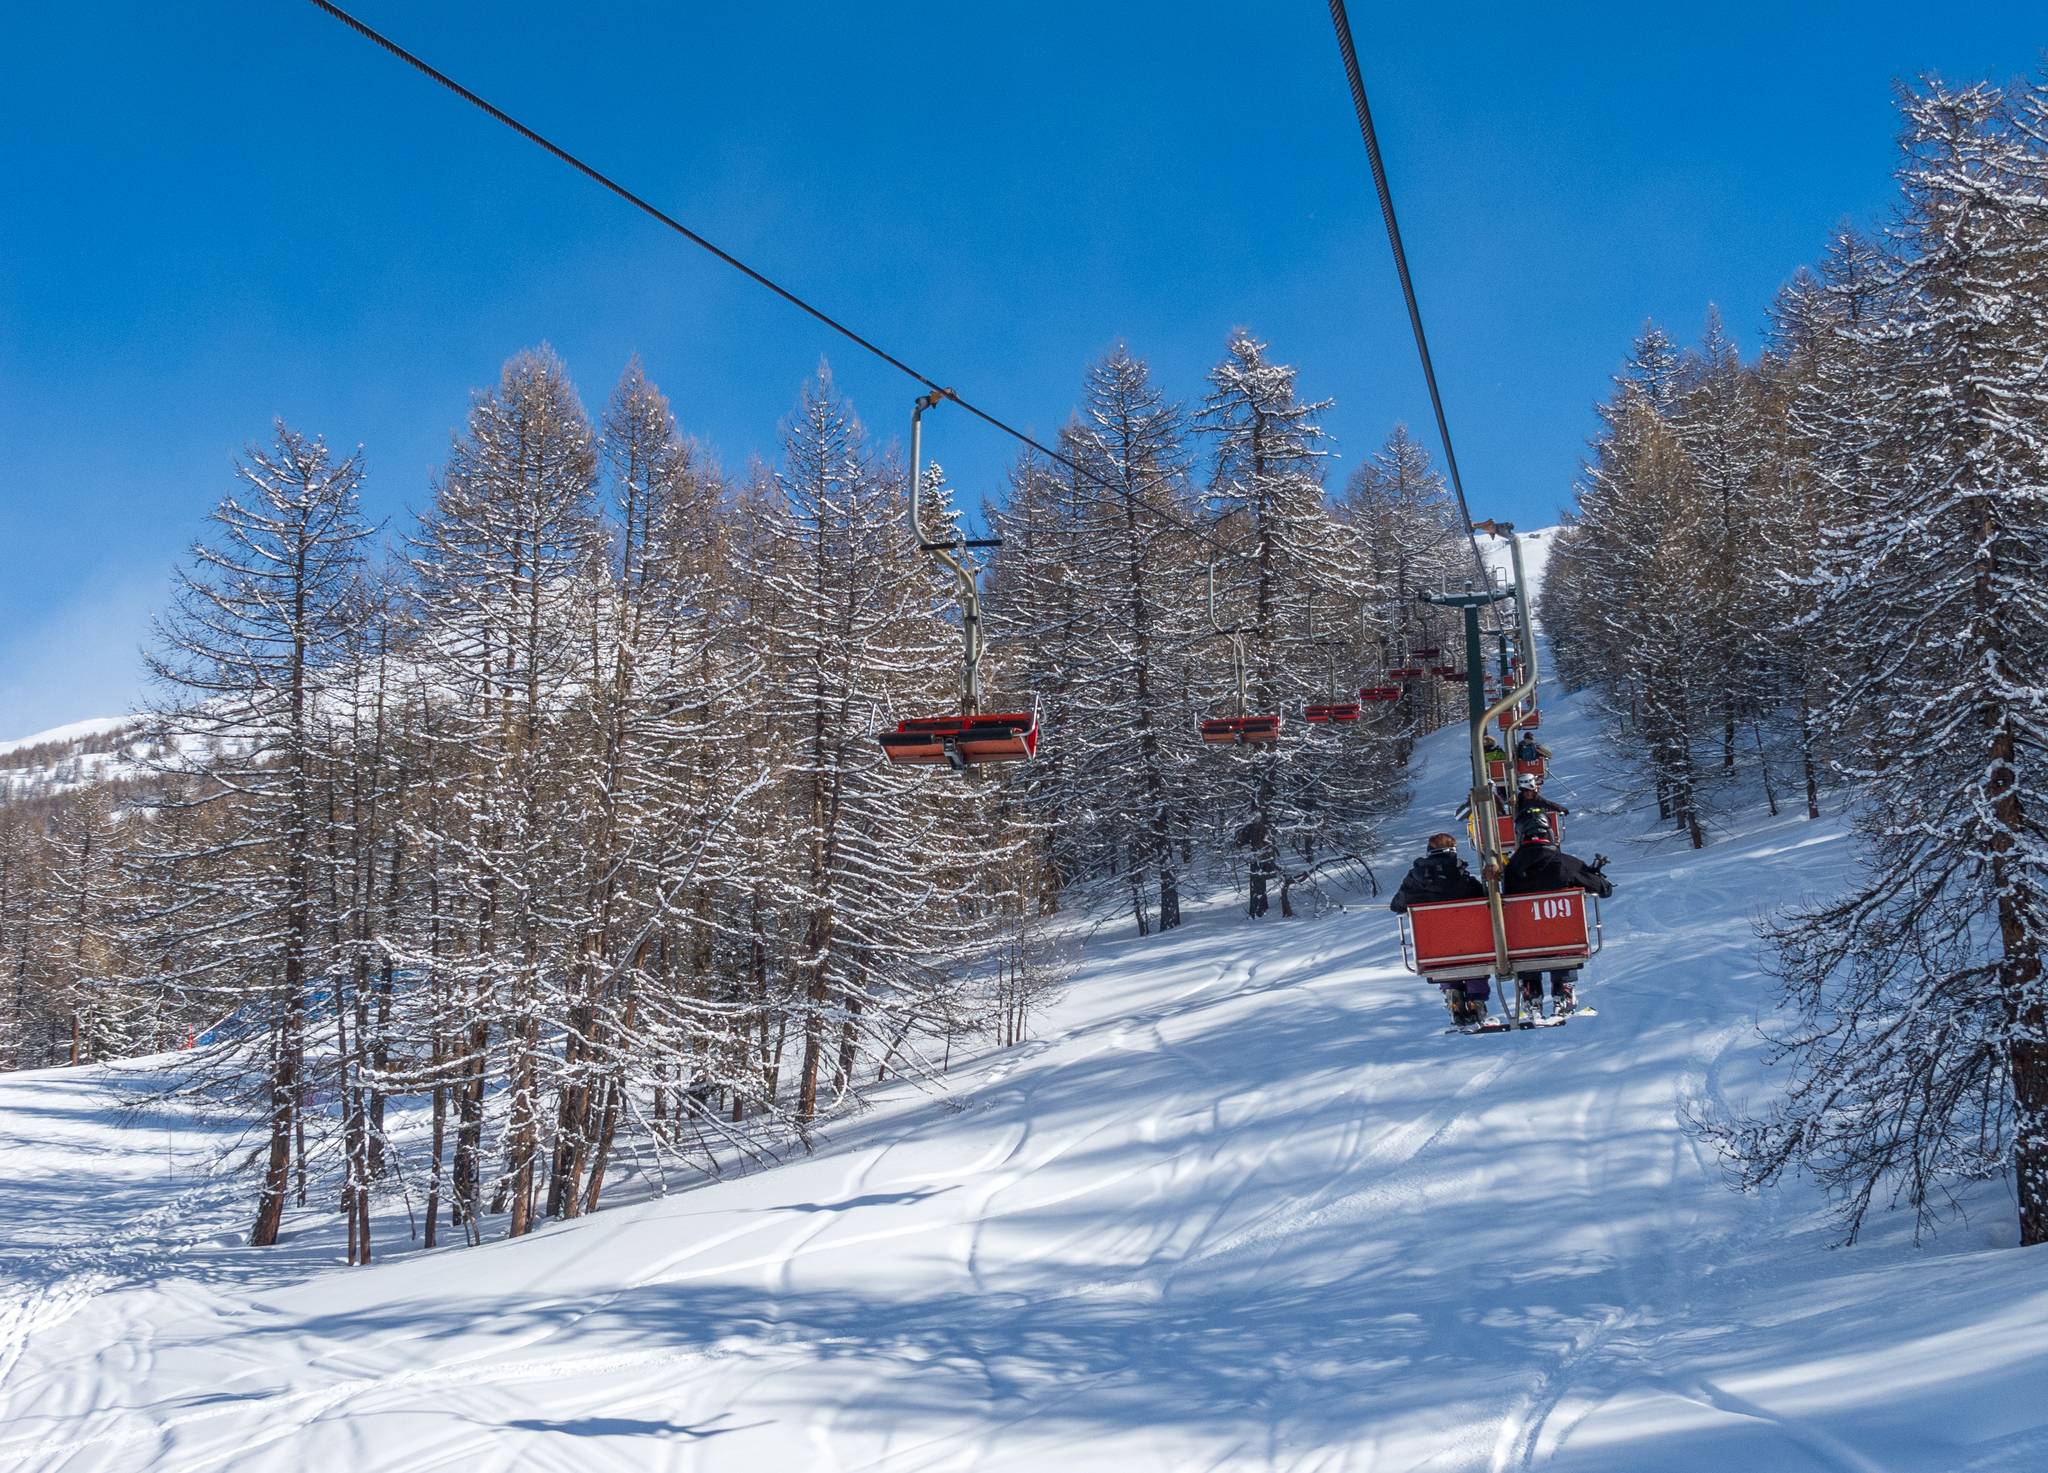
(969, 737)
(1240, 731)
(1331, 710)
(1240, 728)
(963, 741)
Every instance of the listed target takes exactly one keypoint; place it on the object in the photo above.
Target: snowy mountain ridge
(70, 732)
(76, 755)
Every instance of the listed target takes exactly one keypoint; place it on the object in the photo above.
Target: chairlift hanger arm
(947, 553)
(1214, 623)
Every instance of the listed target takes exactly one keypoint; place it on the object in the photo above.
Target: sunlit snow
(1241, 1204)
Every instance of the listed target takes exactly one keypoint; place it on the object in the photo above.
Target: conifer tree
(1295, 558)
(1914, 1016)
(505, 561)
(246, 656)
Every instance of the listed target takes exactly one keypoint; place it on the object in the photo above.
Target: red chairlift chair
(1240, 728)
(970, 737)
(962, 741)
(1240, 731)
(1452, 940)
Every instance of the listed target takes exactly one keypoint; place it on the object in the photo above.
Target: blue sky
(216, 214)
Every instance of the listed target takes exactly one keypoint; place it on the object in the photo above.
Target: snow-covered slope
(1535, 546)
(1244, 1204)
(78, 754)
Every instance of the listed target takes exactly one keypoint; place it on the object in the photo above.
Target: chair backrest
(1454, 938)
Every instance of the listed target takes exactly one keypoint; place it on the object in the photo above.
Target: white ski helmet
(1526, 780)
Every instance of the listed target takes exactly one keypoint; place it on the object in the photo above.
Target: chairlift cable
(1341, 20)
(655, 212)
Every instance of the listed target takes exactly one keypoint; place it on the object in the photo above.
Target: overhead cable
(1342, 21)
(640, 203)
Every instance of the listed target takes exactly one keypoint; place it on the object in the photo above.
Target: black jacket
(1438, 875)
(1539, 867)
(1528, 801)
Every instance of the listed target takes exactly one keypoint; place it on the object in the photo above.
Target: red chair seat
(1241, 730)
(959, 741)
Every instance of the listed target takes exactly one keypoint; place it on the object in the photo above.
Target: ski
(1497, 1024)
(1559, 1020)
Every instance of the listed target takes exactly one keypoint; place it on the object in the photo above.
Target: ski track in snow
(1243, 1204)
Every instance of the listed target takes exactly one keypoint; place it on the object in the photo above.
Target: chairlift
(1239, 729)
(1379, 693)
(968, 738)
(1453, 941)
(1331, 710)
(1405, 672)
(961, 741)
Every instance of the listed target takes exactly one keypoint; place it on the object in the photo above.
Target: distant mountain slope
(78, 754)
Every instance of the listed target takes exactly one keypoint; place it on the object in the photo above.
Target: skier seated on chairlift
(1537, 866)
(1493, 749)
(1441, 875)
(1531, 805)
(1528, 749)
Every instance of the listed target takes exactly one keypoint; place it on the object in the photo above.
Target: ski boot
(1563, 1002)
(1532, 1003)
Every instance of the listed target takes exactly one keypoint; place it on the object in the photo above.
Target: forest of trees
(1819, 577)
(469, 864)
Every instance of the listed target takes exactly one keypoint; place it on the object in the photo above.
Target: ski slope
(1243, 1204)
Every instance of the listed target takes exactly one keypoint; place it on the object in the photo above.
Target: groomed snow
(1243, 1204)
